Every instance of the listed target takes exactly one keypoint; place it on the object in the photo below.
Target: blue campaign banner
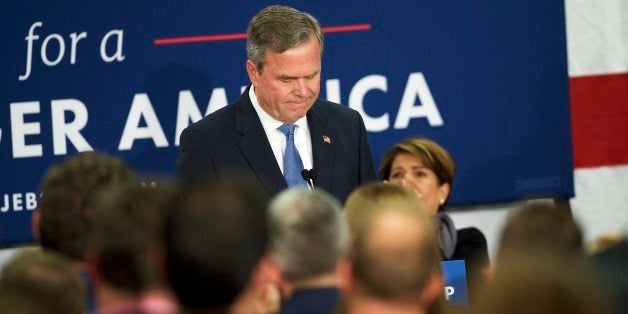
(455, 276)
(486, 79)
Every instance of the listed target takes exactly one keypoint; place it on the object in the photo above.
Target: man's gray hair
(308, 233)
(279, 28)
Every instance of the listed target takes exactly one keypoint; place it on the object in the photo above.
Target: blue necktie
(292, 164)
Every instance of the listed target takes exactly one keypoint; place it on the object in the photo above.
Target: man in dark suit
(279, 126)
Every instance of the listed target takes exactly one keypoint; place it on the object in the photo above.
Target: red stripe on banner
(346, 28)
(238, 36)
(198, 39)
(599, 114)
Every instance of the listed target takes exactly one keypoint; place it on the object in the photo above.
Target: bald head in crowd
(395, 262)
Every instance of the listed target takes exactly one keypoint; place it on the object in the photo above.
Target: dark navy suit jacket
(312, 301)
(232, 140)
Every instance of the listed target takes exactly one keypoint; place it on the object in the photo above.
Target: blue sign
(486, 79)
(455, 276)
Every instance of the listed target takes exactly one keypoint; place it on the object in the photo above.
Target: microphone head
(305, 174)
(312, 174)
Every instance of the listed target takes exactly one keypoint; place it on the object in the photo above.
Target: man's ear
(267, 274)
(91, 263)
(269, 271)
(488, 272)
(35, 221)
(251, 70)
(344, 271)
(434, 288)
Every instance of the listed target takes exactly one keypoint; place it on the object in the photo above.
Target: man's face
(289, 82)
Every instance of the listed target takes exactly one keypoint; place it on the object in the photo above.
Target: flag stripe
(599, 109)
(596, 37)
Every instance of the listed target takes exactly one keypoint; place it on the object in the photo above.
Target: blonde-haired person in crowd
(395, 263)
(41, 281)
(543, 282)
(428, 169)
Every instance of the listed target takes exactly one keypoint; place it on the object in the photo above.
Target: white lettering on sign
(61, 129)
(416, 89)
(449, 291)
(18, 202)
(70, 130)
(356, 101)
(188, 112)
(142, 108)
(53, 48)
(417, 103)
(20, 129)
(118, 34)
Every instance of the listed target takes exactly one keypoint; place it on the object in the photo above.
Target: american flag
(597, 44)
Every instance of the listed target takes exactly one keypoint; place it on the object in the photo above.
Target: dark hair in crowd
(542, 282)
(129, 224)
(215, 238)
(541, 227)
(68, 190)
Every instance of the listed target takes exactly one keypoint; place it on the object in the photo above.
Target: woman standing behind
(428, 169)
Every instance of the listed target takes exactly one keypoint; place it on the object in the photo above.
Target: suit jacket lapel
(255, 147)
(323, 147)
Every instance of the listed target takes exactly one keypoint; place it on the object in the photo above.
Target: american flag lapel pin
(326, 139)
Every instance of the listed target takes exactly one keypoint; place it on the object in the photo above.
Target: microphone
(313, 175)
(309, 176)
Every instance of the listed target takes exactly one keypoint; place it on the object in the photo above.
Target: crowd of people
(109, 244)
(270, 238)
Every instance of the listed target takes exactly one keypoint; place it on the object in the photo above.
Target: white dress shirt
(277, 140)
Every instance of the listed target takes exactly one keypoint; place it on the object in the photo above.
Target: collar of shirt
(278, 141)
